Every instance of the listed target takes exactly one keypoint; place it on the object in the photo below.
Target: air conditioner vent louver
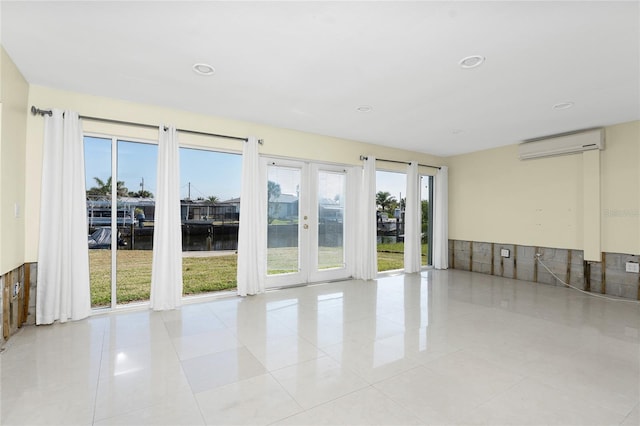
(569, 143)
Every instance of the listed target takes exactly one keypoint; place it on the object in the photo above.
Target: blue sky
(396, 183)
(392, 182)
(210, 173)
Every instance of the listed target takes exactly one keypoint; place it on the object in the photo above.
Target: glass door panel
(390, 219)
(283, 219)
(97, 153)
(426, 207)
(136, 168)
(327, 245)
(330, 204)
(210, 207)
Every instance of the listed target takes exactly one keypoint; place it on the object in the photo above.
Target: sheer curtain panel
(412, 232)
(63, 255)
(441, 220)
(366, 256)
(166, 271)
(252, 234)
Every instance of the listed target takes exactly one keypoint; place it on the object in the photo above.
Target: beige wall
(278, 142)
(620, 189)
(495, 197)
(13, 102)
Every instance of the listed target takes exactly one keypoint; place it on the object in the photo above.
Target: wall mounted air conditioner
(567, 143)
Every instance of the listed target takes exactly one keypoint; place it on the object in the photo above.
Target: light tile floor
(441, 347)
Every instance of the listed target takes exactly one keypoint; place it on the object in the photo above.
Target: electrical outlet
(16, 288)
(632, 267)
(504, 253)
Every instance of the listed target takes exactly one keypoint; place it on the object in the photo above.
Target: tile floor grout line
(637, 407)
(290, 396)
(95, 401)
(180, 361)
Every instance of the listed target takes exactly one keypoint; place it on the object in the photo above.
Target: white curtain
(252, 229)
(366, 256)
(441, 220)
(412, 231)
(63, 256)
(166, 272)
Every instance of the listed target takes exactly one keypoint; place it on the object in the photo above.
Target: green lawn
(389, 261)
(282, 260)
(391, 256)
(207, 274)
(199, 275)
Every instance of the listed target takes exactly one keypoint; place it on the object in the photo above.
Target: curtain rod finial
(363, 157)
(42, 112)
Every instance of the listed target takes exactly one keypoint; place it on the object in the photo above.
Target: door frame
(307, 237)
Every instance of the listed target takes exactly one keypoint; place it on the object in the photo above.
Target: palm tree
(213, 199)
(273, 192)
(143, 193)
(104, 188)
(386, 202)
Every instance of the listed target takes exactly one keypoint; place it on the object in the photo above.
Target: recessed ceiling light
(204, 69)
(364, 108)
(472, 61)
(563, 105)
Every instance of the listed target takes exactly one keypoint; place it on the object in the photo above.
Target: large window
(390, 205)
(120, 218)
(121, 189)
(210, 208)
(390, 214)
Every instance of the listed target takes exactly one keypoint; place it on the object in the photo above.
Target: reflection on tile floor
(441, 347)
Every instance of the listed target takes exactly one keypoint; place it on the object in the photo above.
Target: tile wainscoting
(605, 277)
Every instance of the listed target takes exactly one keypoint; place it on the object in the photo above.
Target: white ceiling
(308, 65)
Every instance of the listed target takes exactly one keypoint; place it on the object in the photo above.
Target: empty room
(320, 212)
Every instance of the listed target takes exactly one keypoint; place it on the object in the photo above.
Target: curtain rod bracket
(42, 112)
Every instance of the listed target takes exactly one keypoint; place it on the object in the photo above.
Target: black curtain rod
(43, 112)
(364, 157)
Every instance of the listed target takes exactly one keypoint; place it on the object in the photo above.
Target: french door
(308, 222)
